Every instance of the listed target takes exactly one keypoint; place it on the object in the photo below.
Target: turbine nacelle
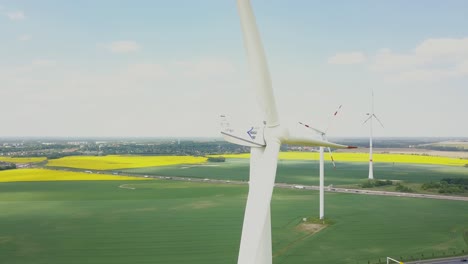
(249, 136)
(262, 135)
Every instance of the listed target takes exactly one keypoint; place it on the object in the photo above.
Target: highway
(383, 193)
(282, 185)
(316, 188)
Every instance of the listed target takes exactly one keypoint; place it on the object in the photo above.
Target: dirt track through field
(309, 228)
(125, 186)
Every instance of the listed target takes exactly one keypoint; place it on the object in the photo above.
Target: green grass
(368, 228)
(306, 172)
(466, 236)
(185, 222)
(87, 222)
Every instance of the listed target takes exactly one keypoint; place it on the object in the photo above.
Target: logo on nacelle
(252, 133)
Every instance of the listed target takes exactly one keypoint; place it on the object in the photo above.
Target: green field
(306, 172)
(184, 222)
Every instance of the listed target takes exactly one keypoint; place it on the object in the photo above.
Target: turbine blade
(314, 129)
(332, 118)
(336, 112)
(329, 151)
(378, 120)
(258, 64)
(331, 156)
(308, 140)
(263, 164)
(297, 135)
(264, 255)
(367, 119)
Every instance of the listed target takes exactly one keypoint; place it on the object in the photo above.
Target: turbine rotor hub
(276, 134)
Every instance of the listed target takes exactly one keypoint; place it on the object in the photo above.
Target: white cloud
(205, 68)
(387, 61)
(462, 68)
(16, 15)
(424, 75)
(443, 47)
(43, 62)
(345, 58)
(433, 59)
(146, 70)
(21, 70)
(123, 46)
(136, 94)
(24, 37)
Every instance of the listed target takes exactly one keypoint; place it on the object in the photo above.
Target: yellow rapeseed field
(113, 162)
(364, 157)
(22, 160)
(55, 175)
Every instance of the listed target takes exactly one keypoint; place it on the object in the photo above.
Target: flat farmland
(112, 162)
(183, 222)
(307, 172)
(364, 157)
(293, 167)
(35, 175)
(22, 159)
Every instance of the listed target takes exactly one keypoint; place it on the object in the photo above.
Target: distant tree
(401, 188)
(431, 185)
(375, 183)
(368, 184)
(7, 166)
(216, 159)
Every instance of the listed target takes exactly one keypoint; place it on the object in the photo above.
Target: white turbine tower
(321, 169)
(371, 117)
(323, 135)
(265, 141)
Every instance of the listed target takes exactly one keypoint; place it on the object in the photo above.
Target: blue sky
(169, 68)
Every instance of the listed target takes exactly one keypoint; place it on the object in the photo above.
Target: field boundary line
(123, 186)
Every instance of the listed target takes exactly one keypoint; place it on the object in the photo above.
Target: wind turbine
(265, 142)
(371, 117)
(323, 135)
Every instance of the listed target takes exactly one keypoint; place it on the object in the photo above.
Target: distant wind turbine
(323, 135)
(264, 142)
(371, 117)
